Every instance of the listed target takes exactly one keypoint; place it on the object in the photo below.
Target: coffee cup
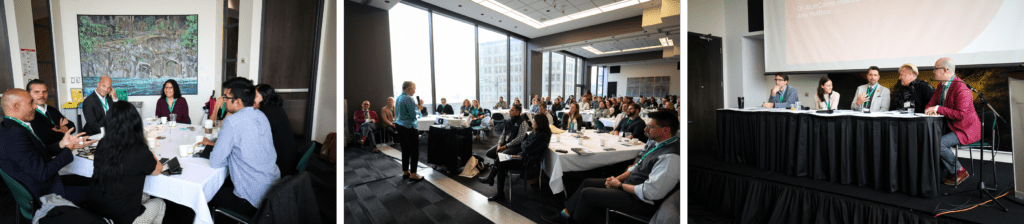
(163, 120)
(183, 150)
(151, 142)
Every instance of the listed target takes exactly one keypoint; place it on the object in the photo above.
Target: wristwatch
(620, 186)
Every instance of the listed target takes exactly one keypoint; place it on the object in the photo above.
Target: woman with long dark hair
(825, 92)
(572, 120)
(533, 148)
(122, 162)
(171, 102)
(270, 103)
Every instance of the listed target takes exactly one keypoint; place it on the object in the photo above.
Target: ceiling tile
(527, 2)
(586, 6)
(506, 1)
(515, 4)
(603, 2)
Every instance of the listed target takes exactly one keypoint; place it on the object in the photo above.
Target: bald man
(96, 105)
(25, 157)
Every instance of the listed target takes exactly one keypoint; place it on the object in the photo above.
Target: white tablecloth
(557, 163)
(608, 122)
(504, 112)
(196, 185)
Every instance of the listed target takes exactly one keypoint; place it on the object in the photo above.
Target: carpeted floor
(364, 167)
(376, 193)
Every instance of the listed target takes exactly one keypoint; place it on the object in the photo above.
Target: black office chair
(529, 164)
(638, 217)
(499, 122)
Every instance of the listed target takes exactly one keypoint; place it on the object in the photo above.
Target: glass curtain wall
(461, 51)
(410, 47)
(493, 51)
(557, 76)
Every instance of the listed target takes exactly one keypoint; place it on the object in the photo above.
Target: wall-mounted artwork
(139, 52)
(647, 86)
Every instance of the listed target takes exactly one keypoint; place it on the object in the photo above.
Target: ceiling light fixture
(501, 8)
(665, 42)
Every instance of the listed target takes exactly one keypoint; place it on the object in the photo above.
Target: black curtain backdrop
(748, 200)
(995, 88)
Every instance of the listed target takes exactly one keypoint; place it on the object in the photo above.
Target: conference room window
(546, 76)
(593, 81)
(570, 77)
(454, 51)
(516, 63)
(410, 50)
(494, 48)
(557, 75)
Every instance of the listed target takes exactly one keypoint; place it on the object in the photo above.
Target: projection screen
(838, 35)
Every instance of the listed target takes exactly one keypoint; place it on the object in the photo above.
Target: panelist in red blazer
(953, 100)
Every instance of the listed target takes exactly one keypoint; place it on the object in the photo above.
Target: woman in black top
(270, 103)
(532, 149)
(122, 162)
(572, 120)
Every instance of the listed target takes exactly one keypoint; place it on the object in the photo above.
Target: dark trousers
(493, 152)
(226, 198)
(75, 188)
(410, 141)
(502, 169)
(391, 131)
(592, 198)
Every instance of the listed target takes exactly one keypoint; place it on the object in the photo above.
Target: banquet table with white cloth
(196, 185)
(557, 163)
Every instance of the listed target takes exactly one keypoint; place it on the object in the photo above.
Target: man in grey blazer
(782, 95)
(871, 95)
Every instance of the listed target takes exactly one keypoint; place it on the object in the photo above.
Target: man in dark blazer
(34, 164)
(49, 122)
(444, 108)
(631, 124)
(96, 105)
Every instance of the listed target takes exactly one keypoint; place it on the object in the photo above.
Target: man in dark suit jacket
(632, 125)
(34, 164)
(49, 122)
(96, 105)
(444, 108)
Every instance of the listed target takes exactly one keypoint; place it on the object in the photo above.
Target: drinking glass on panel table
(173, 118)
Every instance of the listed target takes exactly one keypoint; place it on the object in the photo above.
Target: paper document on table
(582, 151)
(502, 157)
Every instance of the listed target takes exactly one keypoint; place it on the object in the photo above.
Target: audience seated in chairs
(123, 161)
(532, 150)
(367, 120)
(387, 114)
(270, 104)
(572, 120)
(631, 126)
(247, 150)
(25, 157)
(444, 108)
(650, 179)
(512, 136)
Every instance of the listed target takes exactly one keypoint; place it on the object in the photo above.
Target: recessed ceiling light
(460, 6)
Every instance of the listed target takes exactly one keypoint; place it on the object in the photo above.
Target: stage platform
(746, 194)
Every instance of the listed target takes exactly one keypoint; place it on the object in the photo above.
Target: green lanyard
(628, 122)
(26, 127)
(783, 97)
(945, 89)
(871, 92)
(828, 104)
(170, 109)
(223, 109)
(104, 101)
(47, 116)
(669, 141)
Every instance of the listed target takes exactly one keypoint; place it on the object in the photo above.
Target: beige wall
(210, 44)
(26, 35)
(325, 113)
(13, 43)
(249, 23)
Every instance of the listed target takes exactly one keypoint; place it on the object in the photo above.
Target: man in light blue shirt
(782, 95)
(246, 147)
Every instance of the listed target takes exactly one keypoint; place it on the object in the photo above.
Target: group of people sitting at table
(653, 175)
(255, 144)
(953, 100)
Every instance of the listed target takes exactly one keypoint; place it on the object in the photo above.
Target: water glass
(173, 119)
